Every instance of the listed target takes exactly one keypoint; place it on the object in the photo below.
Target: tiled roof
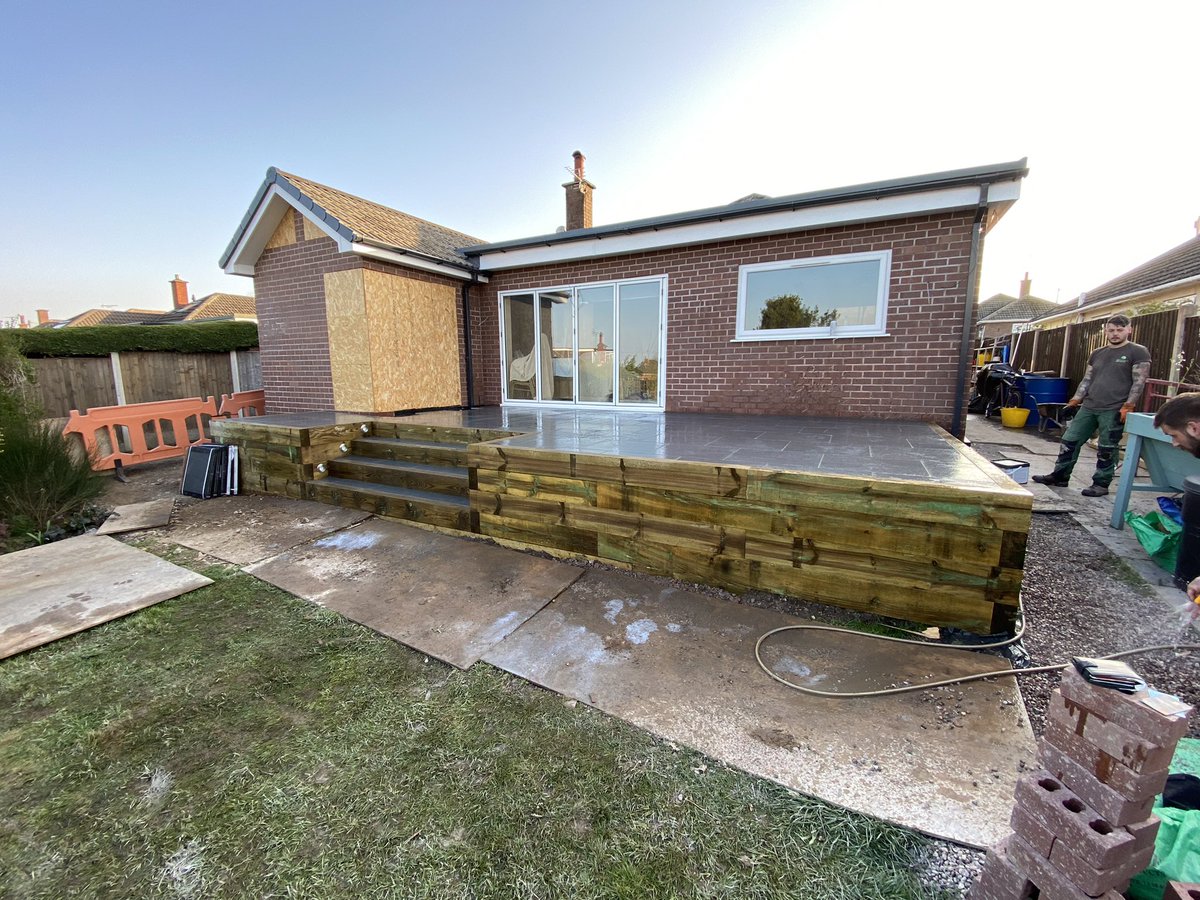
(993, 303)
(1175, 265)
(1022, 310)
(108, 317)
(376, 224)
(214, 306)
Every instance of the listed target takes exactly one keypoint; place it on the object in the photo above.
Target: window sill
(808, 337)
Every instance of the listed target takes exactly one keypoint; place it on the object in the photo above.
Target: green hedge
(101, 340)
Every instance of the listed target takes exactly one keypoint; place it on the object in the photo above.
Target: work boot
(1050, 480)
(1096, 490)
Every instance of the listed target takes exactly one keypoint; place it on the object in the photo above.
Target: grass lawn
(239, 742)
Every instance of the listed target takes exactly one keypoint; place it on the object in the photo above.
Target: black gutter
(466, 302)
(874, 190)
(957, 426)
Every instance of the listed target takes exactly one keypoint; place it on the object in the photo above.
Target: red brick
(1051, 806)
(1144, 832)
(1052, 883)
(1001, 880)
(1177, 890)
(1129, 711)
(1106, 769)
(1104, 799)
(1130, 749)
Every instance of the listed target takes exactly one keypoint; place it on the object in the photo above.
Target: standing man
(1111, 386)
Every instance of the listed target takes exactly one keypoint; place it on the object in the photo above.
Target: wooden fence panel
(1156, 332)
(1083, 339)
(249, 370)
(167, 376)
(1049, 350)
(1190, 370)
(76, 383)
(1022, 355)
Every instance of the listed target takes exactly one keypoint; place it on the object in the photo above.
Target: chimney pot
(179, 293)
(43, 316)
(1025, 285)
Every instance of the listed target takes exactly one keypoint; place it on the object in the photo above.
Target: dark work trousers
(1082, 427)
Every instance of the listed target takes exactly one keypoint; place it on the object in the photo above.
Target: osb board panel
(413, 340)
(349, 342)
(311, 230)
(285, 234)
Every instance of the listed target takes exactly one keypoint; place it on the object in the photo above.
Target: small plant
(44, 483)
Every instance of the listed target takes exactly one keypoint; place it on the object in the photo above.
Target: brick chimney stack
(24, 323)
(1025, 285)
(43, 316)
(179, 295)
(579, 197)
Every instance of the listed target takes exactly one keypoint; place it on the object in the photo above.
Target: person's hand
(1126, 410)
(1193, 589)
(1074, 401)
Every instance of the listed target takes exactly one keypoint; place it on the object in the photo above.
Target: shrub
(101, 340)
(44, 483)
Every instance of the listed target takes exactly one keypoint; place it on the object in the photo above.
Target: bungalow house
(857, 301)
(211, 308)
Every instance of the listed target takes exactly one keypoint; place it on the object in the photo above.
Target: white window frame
(660, 403)
(878, 329)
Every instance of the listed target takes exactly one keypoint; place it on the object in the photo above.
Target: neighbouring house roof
(214, 306)
(1177, 264)
(876, 201)
(356, 224)
(1023, 310)
(991, 304)
(106, 317)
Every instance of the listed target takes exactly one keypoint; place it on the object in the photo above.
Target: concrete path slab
(451, 598)
(682, 666)
(58, 589)
(249, 528)
(138, 516)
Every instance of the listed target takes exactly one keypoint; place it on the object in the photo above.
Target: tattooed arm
(1141, 371)
(1081, 391)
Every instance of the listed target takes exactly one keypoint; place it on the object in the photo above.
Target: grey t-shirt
(1112, 375)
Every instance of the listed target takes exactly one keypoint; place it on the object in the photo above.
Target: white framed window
(823, 297)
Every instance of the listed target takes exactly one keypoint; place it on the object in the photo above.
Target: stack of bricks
(1083, 825)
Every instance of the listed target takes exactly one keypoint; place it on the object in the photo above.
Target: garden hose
(849, 695)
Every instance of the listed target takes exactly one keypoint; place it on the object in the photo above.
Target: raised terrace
(892, 517)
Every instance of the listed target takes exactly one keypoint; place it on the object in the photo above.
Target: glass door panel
(557, 329)
(639, 329)
(596, 314)
(520, 357)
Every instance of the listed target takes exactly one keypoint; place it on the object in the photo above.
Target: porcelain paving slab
(138, 517)
(682, 666)
(451, 598)
(251, 527)
(866, 448)
(58, 589)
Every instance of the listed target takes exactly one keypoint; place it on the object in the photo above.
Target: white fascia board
(262, 225)
(265, 220)
(403, 259)
(915, 204)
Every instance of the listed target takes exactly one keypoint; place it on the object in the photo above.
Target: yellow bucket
(1013, 416)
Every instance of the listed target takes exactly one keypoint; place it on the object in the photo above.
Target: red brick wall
(289, 290)
(910, 373)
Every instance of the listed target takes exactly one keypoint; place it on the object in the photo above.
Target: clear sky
(134, 135)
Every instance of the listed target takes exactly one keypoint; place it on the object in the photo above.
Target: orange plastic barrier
(243, 404)
(142, 432)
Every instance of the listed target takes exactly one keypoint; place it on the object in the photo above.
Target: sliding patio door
(595, 344)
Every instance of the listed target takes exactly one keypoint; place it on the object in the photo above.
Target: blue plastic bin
(1044, 389)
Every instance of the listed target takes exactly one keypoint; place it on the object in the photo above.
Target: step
(396, 502)
(398, 473)
(437, 453)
